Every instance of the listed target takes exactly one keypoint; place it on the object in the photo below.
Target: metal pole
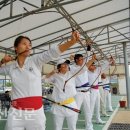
(126, 74)
(42, 3)
(11, 8)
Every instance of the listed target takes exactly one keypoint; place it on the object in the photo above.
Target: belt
(28, 103)
(99, 83)
(107, 86)
(95, 87)
(84, 91)
(84, 85)
(67, 101)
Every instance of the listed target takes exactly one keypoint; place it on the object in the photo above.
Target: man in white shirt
(82, 87)
(65, 97)
(107, 92)
(94, 74)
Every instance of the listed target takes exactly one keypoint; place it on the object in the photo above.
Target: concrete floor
(119, 115)
(122, 115)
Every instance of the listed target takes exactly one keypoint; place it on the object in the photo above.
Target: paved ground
(80, 123)
(122, 115)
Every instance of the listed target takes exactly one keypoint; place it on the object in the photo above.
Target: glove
(88, 48)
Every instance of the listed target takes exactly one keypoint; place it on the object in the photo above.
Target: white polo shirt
(27, 80)
(58, 79)
(82, 77)
(94, 77)
(58, 95)
(106, 81)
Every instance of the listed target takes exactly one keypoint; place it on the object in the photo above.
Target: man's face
(92, 67)
(80, 61)
(64, 68)
(103, 76)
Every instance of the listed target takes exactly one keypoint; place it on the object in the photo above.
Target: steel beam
(127, 75)
(11, 8)
(29, 4)
(75, 25)
(119, 33)
(37, 10)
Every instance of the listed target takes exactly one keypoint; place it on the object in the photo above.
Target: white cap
(61, 61)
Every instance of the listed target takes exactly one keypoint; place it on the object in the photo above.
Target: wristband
(88, 48)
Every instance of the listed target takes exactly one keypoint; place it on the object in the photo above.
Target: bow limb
(80, 68)
(73, 109)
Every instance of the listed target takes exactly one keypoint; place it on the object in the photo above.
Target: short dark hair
(67, 61)
(93, 63)
(59, 65)
(18, 40)
(77, 56)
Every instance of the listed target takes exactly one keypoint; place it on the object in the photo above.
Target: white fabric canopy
(107, 22)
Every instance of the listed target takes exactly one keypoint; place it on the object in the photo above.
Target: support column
(126, 74)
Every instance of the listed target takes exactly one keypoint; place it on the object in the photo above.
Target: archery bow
(80, 68)
(73, 109)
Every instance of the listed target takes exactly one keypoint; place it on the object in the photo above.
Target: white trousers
(25, 119)
(71, 121)
(95, 103)
(107, 100)
(102, 104)
(84, 98)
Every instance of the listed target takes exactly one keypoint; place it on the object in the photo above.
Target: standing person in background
(7, 100)
(107, 92)
(82, 86)
(63, 97)
(93, 75)
(102, 105)
(26, 111)
(93, 78)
